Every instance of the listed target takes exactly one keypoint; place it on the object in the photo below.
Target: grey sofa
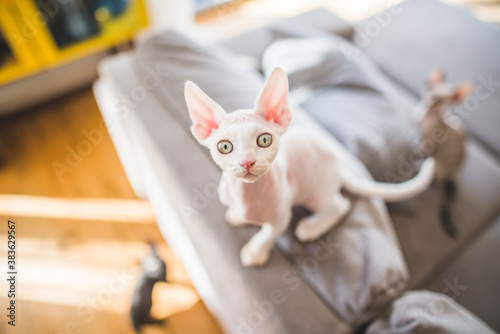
(356, 83)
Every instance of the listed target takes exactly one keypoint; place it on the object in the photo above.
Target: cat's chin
(249, 178)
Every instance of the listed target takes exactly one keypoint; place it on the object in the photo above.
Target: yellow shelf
(34, 48)
(20, 46)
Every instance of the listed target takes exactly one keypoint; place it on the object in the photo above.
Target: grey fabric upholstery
(427, 33)
(366, 260)
(407, 55)
(477, 202)
(367, 112)
(429, 313)
(351, 98)
(470, 278)
(239, 297)
(182, 59)
(255, 42)
(421, 36)
(334, 284)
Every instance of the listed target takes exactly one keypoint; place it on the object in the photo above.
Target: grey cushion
(429, 313)
(427, 33)
(255, 42)
(181, 59)
(368, 265)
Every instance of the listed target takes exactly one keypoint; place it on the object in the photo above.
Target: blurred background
(81, 230)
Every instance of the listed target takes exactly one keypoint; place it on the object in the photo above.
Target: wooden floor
(67, 266)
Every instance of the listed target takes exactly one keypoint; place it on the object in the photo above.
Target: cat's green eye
(225, 146)
(265, 140)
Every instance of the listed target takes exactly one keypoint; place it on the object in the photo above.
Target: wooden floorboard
(67, 255)
(32, 143)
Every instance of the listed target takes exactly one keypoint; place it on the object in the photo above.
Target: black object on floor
(154, 271)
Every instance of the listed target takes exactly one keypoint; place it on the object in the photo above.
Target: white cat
(266, 173)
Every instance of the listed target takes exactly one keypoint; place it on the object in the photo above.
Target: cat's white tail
(391, 192)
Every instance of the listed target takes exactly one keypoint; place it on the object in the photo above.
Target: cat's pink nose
(247, 164)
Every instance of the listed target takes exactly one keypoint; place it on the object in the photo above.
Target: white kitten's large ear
(436, 77)
(461, 92)
(205, 114)
(272, 102)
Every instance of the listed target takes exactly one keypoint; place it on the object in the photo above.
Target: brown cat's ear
(436, 77)
(461, 92)
(205, 114)
(272, 102)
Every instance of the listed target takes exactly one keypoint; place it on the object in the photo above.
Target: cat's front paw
(305, 232)
(251, 258)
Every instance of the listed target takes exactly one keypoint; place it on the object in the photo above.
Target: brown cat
(434, 113)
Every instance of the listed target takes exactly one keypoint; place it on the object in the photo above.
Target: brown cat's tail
(391, 192)
(449, 191)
